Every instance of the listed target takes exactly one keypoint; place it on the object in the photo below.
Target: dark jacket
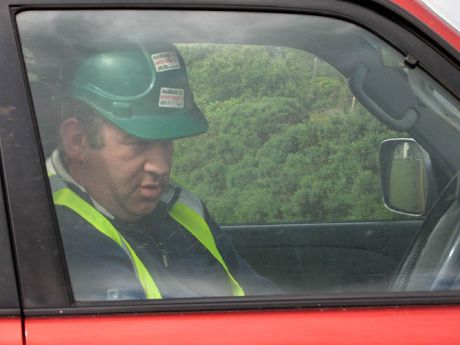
(179, 264)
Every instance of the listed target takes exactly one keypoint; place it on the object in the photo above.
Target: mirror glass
(408, 186)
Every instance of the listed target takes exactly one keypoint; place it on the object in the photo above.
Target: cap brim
(163, 126)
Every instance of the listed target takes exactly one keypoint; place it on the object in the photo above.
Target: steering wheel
(433, 259)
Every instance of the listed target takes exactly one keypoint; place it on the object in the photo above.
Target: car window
(230, 154)
(293, 114)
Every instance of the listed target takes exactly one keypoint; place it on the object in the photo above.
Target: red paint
(395, 326)
(436, 23)
(10, 331)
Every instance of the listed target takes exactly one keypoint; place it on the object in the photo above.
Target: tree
(284, 143)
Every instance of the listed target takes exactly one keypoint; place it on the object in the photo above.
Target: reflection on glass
(288, 167)
(408, 181)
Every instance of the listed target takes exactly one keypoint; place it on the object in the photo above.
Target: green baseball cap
(142, 89)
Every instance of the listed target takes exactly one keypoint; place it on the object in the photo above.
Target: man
(128, 231)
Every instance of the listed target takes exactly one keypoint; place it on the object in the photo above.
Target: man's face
(127, 176)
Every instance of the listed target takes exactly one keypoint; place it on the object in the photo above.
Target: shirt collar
(55, 165)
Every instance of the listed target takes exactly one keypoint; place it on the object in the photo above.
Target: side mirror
(406, 177)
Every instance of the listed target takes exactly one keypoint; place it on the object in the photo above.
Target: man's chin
(144, 208)
(136, 208)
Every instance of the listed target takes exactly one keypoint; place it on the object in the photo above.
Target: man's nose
(158, 158)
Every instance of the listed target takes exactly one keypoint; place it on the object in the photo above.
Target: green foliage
(286, 141)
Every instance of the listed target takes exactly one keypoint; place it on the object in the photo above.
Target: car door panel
(333, 253)
(10, 331)
(323, 326)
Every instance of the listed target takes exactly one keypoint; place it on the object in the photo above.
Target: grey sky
(449, 10)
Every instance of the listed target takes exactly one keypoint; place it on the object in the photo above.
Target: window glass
(230, 154)
(293, 115)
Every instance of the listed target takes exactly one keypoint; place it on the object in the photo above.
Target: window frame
(9, 297)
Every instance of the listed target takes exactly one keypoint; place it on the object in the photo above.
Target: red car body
(378, 324)
(432, 20)
(360, 326)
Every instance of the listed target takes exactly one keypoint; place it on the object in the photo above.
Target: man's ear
(73, 139)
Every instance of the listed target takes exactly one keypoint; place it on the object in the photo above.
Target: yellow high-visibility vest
(186, 211)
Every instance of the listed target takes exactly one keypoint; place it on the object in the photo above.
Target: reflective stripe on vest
(68, 198)
(180, 212)
(198, 227)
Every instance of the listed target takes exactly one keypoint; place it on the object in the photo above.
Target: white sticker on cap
(171, 98)
(165, 61)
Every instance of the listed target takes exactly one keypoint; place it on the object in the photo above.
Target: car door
(334, 267)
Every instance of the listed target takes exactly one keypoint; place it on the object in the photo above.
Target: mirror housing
(406, 177)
